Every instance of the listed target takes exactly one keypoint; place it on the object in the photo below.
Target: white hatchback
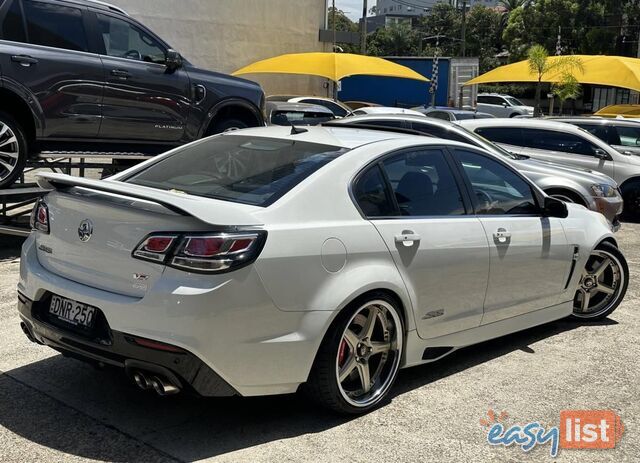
(261, 260)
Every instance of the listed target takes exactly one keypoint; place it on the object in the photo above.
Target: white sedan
(265, 260)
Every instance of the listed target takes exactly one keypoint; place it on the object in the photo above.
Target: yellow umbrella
(623, 110)
(614, 71)
(333, 66)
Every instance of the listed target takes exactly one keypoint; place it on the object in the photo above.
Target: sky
(353, 8)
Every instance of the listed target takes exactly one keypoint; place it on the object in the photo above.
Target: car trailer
(16, 201)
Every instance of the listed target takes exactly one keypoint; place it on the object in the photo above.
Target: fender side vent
(431, 353)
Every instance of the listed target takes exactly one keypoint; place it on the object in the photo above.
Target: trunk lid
(119, 217)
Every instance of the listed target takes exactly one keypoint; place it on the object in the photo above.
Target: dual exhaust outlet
(159, 384)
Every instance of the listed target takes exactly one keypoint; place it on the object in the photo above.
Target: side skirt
(415, 346)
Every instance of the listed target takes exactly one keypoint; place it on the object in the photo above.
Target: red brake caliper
(341, 352)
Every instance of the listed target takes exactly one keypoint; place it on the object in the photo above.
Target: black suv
(81, 75)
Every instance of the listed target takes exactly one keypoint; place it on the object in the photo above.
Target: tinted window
(395, 124)
(506, 135)
(497, 189)
(334, 108)
(124, 40)
(299, 117)
(55, 26)
(483, 99)
(423, 184)
(629, 136)
(557, 141)
(372, 195)
(13, 26)
(439, 115)
(237, 168)
(600, 131)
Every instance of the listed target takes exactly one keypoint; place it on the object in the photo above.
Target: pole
(464, 28)
(363, 31)
(333, 24)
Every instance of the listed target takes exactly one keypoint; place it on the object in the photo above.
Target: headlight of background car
(604, 190)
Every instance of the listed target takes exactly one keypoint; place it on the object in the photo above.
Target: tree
(483, 36)
(443, 19)
(395, 40)
(541, 66)
(567, 89)
(343, 24)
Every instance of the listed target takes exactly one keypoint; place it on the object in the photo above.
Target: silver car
(596, 191)
(566, 144)
(502, 105)
(623, 135)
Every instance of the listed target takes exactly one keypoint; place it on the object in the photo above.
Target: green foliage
(396, 40)
(343, 23)
(567, 89)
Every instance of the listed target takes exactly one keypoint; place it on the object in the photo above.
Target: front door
(143, 100)
(530, 257)
(50, 61)
(414, 201)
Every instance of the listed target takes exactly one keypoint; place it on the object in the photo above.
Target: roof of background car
(349, 138)
(286, 106)
(398, 117)
(597, 120)
(518, 122)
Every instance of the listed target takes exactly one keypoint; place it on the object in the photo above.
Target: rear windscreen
(243, 169)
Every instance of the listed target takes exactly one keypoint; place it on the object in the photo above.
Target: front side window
(598, 130)
(497, 190)
(506, 135)
(423, 184)
(514, 101)
(242, 169)
(550, 140)
(123, 40)
(629, 136)
(55, 26)
(13, 26)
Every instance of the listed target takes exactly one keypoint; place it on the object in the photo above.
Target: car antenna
(297, 130)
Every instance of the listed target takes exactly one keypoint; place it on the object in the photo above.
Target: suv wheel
(13, 150)
(359, 358)
(226, 125)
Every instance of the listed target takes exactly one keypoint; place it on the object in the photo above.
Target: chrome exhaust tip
(141, 380)
(163, 387)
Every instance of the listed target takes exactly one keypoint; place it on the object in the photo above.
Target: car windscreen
(514, 101)
(300, 117)
(238, 168)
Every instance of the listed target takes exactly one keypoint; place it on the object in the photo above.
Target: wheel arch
(629, 182)
(610, 240)
(566, 191)
(16, 105)
(232, 107)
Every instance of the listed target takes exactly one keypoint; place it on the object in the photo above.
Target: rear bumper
(120, 351)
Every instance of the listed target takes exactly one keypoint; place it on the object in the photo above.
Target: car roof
(287, 106)
(392, 117)
(98, 4)
(346, 137)
(597, 120)
(388, 110)
(519, 123)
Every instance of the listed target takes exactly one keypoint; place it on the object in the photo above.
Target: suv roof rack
(105, 5)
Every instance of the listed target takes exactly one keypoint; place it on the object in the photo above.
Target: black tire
(620, 289)
(631, 196)
(514, 115)
(227, 124)
(323, 385)
(9, 176)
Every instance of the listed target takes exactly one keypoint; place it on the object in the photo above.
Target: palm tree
(540, 65)
(567, 89)
(510, 5)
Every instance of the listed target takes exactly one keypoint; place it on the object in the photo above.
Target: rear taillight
(203, 253)
(40, 217)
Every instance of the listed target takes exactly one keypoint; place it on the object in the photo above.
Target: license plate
(73, 312)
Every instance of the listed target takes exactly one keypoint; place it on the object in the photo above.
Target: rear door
(143, 99)
(414, 200)
(530, 257)
(46, 52)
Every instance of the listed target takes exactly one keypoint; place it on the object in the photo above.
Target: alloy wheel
(600, 285)
(9, 151)
(369, 354)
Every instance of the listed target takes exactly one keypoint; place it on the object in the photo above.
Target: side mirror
(602, 154)
(554, 208)
(173, 60)
(505, 105)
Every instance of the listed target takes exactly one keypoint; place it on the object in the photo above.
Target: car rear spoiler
(208, 210)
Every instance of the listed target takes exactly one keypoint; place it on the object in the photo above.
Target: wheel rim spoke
(348, 367)
(603, 266)
(6, 165)
(604, 289)
(4, 129)
(380, 347)
(586, 297)
(352, 339)
(365, 376)
(367, 329)
(10, 155)
(11, 139)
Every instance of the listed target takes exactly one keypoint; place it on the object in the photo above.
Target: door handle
(120, 73)
(502, 235)
(24, 60)
(407, 238)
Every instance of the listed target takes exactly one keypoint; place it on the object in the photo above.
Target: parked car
(338, 108)
(566, 144)
(360, 104)
(594, 190)
(623, 135)
(452, 114)
(328, 260)
(385, 110)
(82, 75)
(285, 113)
(502, 105)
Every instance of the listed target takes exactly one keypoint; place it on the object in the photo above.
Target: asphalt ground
(58, 409)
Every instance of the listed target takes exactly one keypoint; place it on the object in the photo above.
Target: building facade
(225, 35)
(420, 7)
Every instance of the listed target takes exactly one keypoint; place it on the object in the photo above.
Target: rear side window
(55, 26)
(629, 136)
(242, 169)
(371, 194)
(506, 135)
(13, 24)
(557, 141)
